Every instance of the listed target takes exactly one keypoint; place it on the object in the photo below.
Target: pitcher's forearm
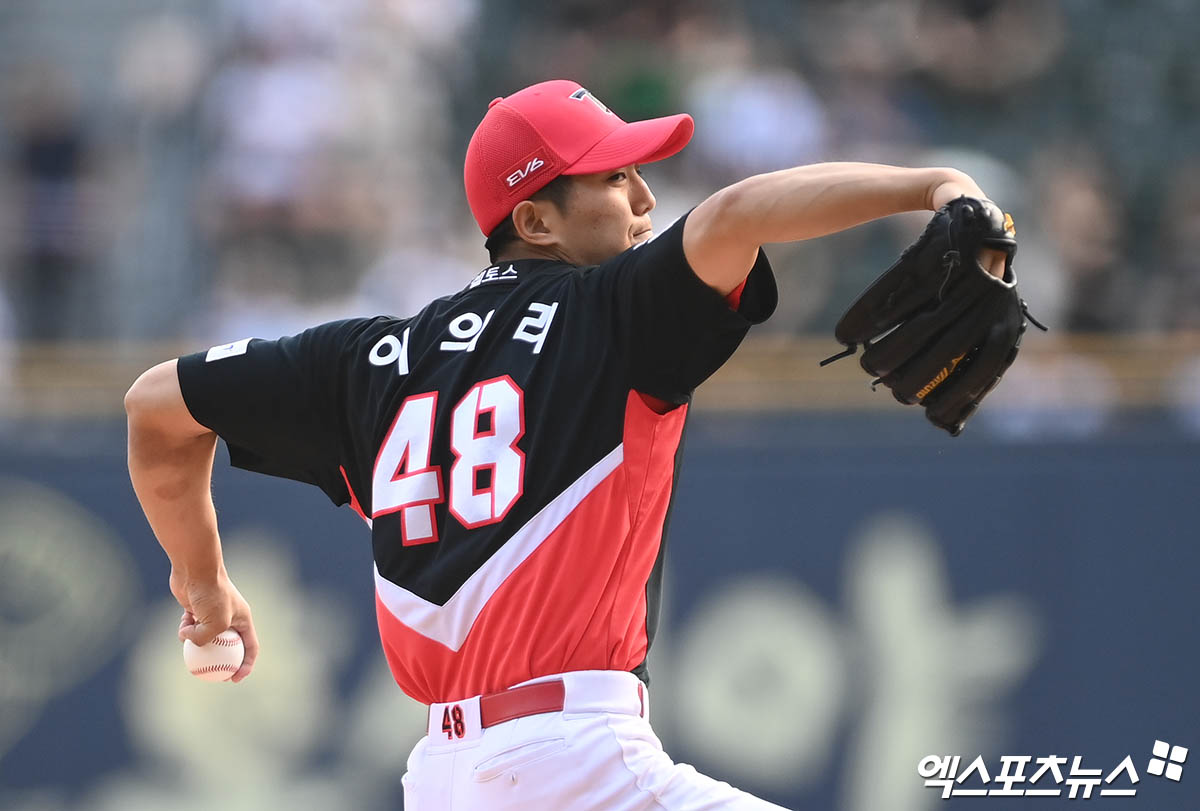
(172, 482)
(170, 465)
(723, 234)
(812, 201)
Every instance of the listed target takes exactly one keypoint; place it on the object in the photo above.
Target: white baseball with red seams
(218, 660)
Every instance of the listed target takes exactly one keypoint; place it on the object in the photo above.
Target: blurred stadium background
(180, 173)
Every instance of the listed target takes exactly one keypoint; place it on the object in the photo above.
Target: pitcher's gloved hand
(936, 327)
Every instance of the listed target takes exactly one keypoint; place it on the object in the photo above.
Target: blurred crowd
(207, 170)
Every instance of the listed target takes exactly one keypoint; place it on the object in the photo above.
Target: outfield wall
(843, 597)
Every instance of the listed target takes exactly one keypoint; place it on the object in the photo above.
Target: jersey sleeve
(275, 403)
(673, 329)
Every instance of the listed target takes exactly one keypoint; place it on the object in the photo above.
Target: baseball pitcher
(514, 447)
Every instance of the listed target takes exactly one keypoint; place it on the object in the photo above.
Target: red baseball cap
(555, 128)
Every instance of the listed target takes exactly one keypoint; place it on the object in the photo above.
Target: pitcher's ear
(533, 222)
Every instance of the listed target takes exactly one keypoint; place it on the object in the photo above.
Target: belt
(518, 702)
(576, 692)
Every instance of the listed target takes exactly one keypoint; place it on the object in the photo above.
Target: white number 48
(486, 478)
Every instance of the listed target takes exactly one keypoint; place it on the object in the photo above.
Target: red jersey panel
(558, 600)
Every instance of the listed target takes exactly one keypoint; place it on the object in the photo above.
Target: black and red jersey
(516, 481)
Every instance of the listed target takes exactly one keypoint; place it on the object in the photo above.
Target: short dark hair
(557, 191)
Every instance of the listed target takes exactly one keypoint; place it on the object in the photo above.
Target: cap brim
(638, 142)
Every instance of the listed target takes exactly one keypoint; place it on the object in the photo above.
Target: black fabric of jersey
(574, 341)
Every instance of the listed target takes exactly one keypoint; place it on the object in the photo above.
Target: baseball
(218, 660)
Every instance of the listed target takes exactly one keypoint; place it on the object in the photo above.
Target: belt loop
(641, 701)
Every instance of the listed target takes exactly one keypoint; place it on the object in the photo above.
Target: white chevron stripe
(450, 623)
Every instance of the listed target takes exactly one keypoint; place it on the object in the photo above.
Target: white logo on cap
(519, 175)
(583, 93)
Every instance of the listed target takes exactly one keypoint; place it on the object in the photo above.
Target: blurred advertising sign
(843, 617)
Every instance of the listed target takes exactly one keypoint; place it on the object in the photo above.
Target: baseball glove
(936, 327)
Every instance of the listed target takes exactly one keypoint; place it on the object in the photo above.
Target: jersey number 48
(486, 478)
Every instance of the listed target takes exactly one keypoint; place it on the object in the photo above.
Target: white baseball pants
(597, 753)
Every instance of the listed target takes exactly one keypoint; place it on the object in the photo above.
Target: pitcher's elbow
(151, 391)
(138, 396)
